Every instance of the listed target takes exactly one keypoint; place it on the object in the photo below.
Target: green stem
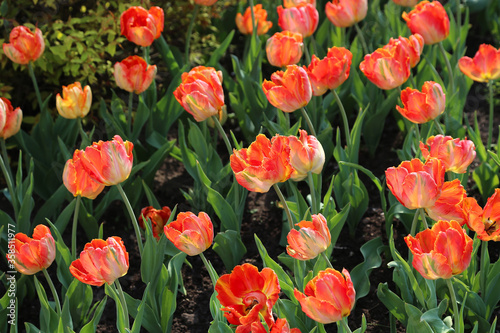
(121, 296)
(345, 325)
(189, 32)
(285, 206)
(424, 220)
(323, 254)
(252, 15)
(412, 80)
(129, 113)
(145, 52)
(308, 121)
(314, 202)
(210, 270)
(418, 137)
(438, 126)
(35, 85)
(448, 66)
(414, 224)
(306, 52)
(459, 19)
(132, 217)
(490, 126)
(361, 38)
(83, 135)
(4, 165)
(53, 290)
(287, 119)
(223, 134)
(344, 118)
(484, 268)
(75, 226)
(456, 313)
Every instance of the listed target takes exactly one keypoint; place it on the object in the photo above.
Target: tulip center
(254, 299)
(490, 226)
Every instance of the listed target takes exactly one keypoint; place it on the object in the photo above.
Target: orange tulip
(78, 181)
(455, 154)
(280, 326)
(449, 205)
(328, 297)
(31, 255)
(302, 19)
(289, 90)
(246, 294)
(108, 162)
(10, 119)
(133, 74)
(201, 94)
(263, 164)
(310, 240)
(306, 155)
(24, 46)
(142, 26)
(485, 65)
(296, 3)
(440, 252)
(345, 13)
(190, 233)
(413, 45)
(430, 20)
(387, 68)
(75, 101)
(421, 107)
(485, 222)
(331, 71)
(205, 2)
(416, 185)
(284, 48)
(244, 22)
(406, 3)
(158, 218)
(101, 261)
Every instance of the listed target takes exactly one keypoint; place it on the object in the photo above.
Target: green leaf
(63, 258)
(229, 247)
(360, 274)
(219, 52)
(91, 326)
(415, 324)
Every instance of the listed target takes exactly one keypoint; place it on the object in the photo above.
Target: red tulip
(142, 26)
(485, 65)
(246, 294)
(331, 71)
(455, 154)
(190, 233)
(263, 164)
(24, 46)
(421, 107)
(289, 90)
(413, 46)
(310, 240)
(244, 22)
(133, 74)
(78, 181)
(280, 326)
(10, 119)
(328, 297)
(302, 19)
(485, 222)
(75, 102)
(158, 218)
(345, 13)
(306, 155)
(284, 48)
(101, 261)
(31, 255)
(449, 205)
(430, 20)
(440, 252)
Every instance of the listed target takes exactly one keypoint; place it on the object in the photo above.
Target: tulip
(485, 222)
(328, 297)
(449, 205)
(205, 2)
(485, 65)
(78, 181)
(101, 261)
(387, 68)
(331, 71)
(345, 13)
(24, 46)
(10, 119)
(296, 3)
(440, 252)
(133, 74)
(415, 184)
(158, 218)
(191, 234)
(75, 102)
(413, 45)
(310, 240)
(430, 20)
(406, 3)
(246, 294)
(280, 326)
(244, 22)
(284, 48)
(289, 90)
(108, 162)
(201, 94)
(141, 26)
(306, 155)
(263, 164)
(302, 19)
(31, 255)
(421, 107)
(455, 154)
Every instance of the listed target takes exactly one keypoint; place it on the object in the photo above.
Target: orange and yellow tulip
(201, 94)
(485, 222)
(430, 20)
(345, 13)
(133, 74)
(485, 65)
(24, 45)
(10, 119)
(142, 26)
(449, 205)
(306, 155)
(284, 48)
(455, 154)
(302, 19)
(191, 234)
(406, 3)
(205, 2)
(101, 261)
(158, 218)
(295, 3)
(442, 251)
(328, 297)
(421, 107)
(31, 255)
(414, 45)
(310, 240)
(78, 181)
(75, 102)
(244, 22)
(289, 90)
(415, 184)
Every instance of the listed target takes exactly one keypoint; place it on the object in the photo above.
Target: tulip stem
(448, 66)
(129, 113)
(344, 118)
(75, 226)
(252, 15)
(83, 135)
(132, 217)
(189, 32)
(490, 126)
(211, 271)
(456, 313)
(323, 254)
(459, 19)
(121, 296)
(308, 121)
(424, 220)
(4, 165)
(35, 85)
(484, 268)
(53, 290)
(345, 325)
(438, 125)
(414, 224)
(285, 206)
(314, 202)
(412, 80)
(361, 38)
(223, 134)
(417, 134)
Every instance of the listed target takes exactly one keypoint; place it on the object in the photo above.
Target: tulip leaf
(63, 259)
(120, 312)
(65, 320)
(292, 312)
(492, 295)
(156, 160)
(79, 299)
(51, 207)
(486, 178)
(371, 251)
(112, 121)
(229, 247)
(219, 52)
(49, 319)
(91, 326)
(168, 110)
(415, 323)
(494, 157)
(140, 314)
(141, 117)
(433, 318)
